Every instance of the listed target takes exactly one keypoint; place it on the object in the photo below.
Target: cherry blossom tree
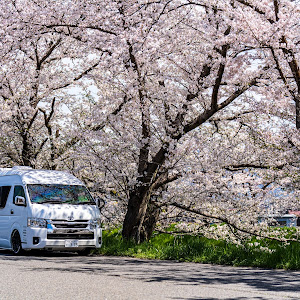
(37, 67)
(164, 73)
(190, 75)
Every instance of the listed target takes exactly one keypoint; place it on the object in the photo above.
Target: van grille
(70, 224)
(70, 236)
(63, 229)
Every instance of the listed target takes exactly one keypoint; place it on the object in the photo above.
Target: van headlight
(36, 222)
(95, 223)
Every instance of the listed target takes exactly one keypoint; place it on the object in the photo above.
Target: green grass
(255, 253)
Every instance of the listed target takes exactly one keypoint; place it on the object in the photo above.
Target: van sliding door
(5, 200)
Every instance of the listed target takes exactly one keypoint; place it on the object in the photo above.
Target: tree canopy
(171, 108)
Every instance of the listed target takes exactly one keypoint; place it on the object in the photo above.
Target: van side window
(18, 191)
(4, 191)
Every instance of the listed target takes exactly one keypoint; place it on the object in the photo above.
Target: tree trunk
(150, 220)
(26, 151)
(136, 211)
(141, 216)
(298, 111)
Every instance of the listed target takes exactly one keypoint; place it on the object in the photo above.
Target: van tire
(16, 244)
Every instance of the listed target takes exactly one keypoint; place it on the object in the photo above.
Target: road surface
(69, 276)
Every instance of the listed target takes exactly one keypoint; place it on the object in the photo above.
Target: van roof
(33, 176)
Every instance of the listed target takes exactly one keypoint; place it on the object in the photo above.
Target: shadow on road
(235, 298)
(164, 271)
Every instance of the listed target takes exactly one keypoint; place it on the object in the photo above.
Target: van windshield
(59, 194)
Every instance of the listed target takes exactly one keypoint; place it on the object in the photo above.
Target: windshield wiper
(85, 202)
(50, 201)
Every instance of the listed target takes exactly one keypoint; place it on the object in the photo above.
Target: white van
(43, 209)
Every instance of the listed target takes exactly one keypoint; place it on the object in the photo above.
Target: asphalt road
(69, 276)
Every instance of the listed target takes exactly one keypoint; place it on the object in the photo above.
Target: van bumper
(38, 238)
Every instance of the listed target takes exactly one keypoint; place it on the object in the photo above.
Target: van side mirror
(100, 203)
(20, 201)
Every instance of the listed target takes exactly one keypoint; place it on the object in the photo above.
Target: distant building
(286, 220)
(297, 214)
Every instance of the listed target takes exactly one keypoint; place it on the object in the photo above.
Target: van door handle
(11, 211)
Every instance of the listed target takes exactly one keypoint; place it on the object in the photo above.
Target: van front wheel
(16, 244)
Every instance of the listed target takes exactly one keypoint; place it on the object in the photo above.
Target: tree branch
(228, 222)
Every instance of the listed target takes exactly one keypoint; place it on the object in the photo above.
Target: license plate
(71, 243)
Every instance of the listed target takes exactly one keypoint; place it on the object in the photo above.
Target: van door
(6, 195)
(18, 213)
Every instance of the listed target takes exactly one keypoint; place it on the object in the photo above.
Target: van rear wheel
(16, 243)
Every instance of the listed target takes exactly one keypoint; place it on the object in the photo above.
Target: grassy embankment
(255, 253)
